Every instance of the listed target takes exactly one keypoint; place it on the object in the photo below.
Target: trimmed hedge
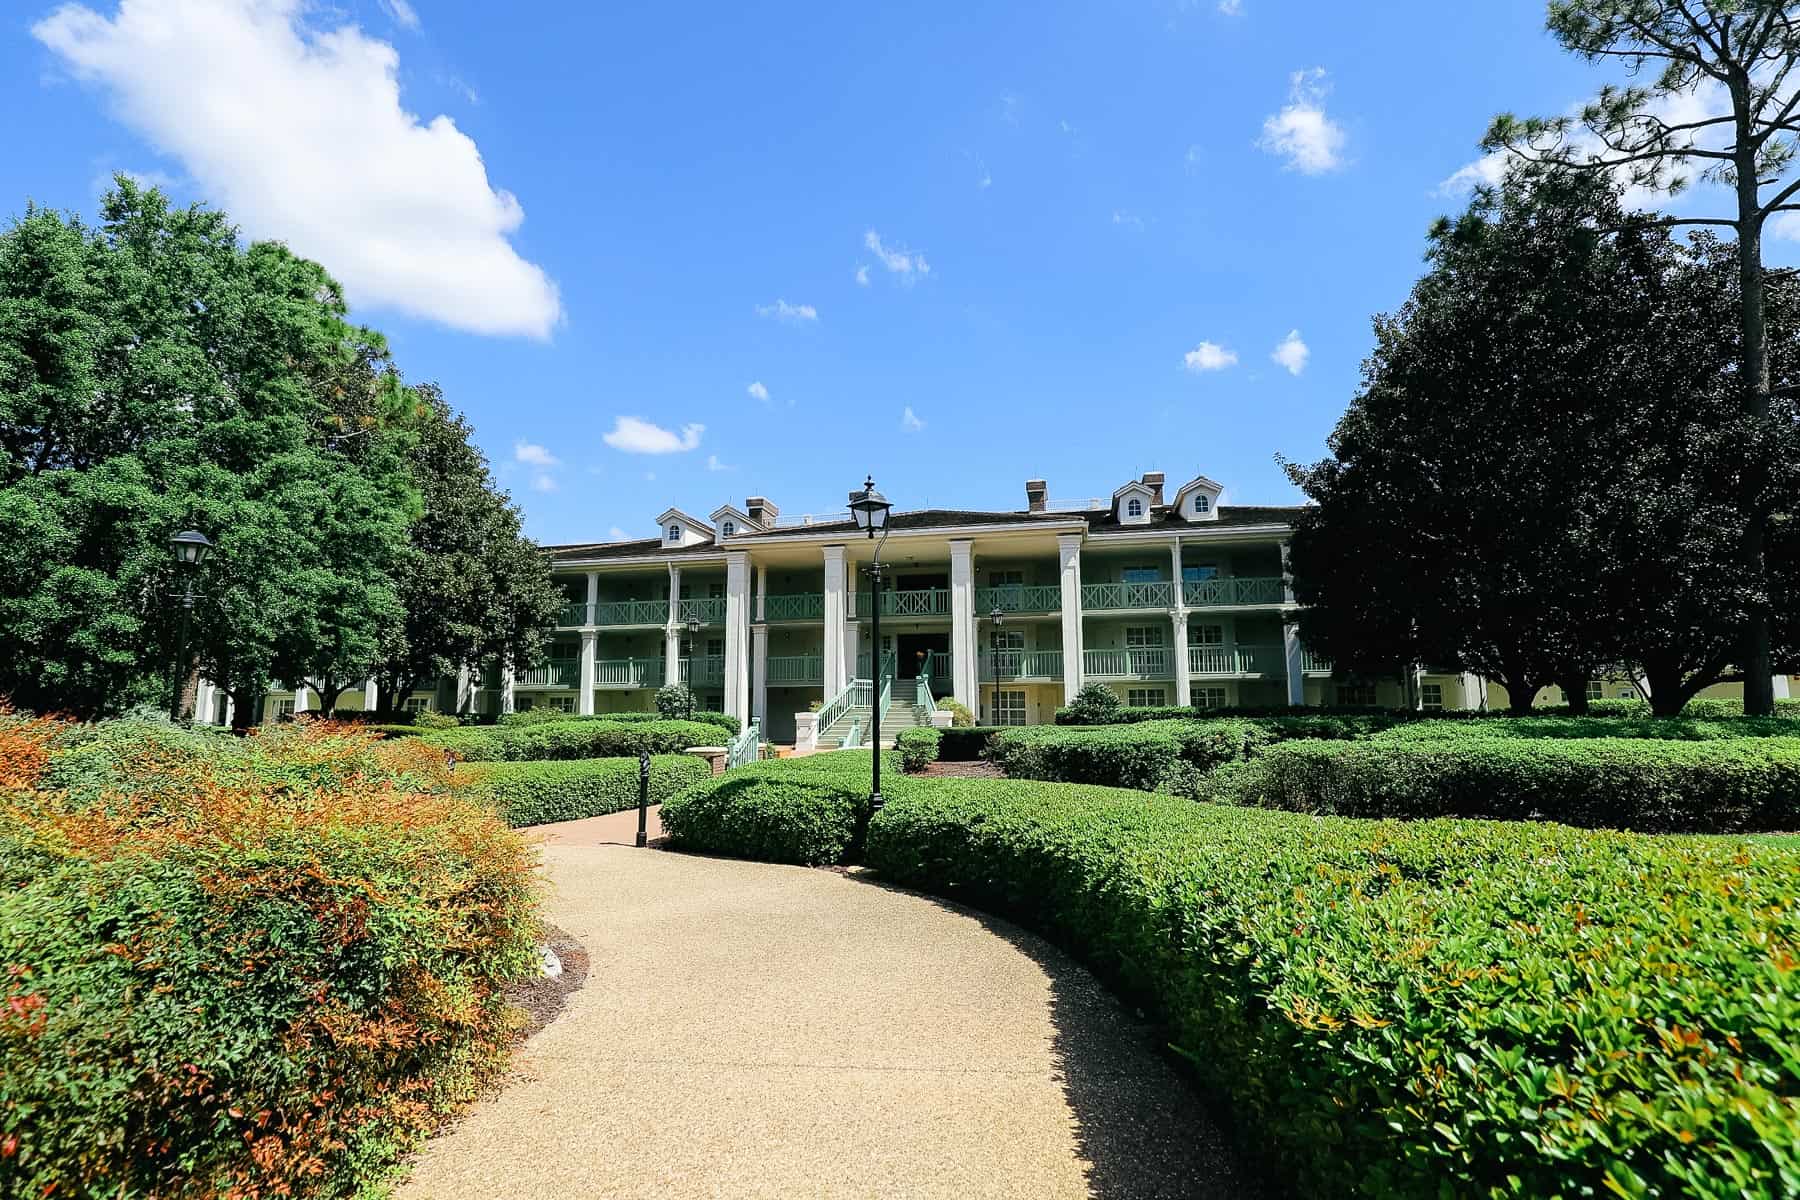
(548, 716)
(243, 966)
(1148, 756)
(918, 748)
(536, 793)
(1418, 1010)
(1690, 729)
(588, 738)
(967, 743)
(1720, 786)
(812, 811)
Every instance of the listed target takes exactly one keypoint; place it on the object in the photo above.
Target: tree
(473, 590)
(1530, 484)
(1744, 51)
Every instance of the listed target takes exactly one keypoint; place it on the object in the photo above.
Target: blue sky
(1082, 230)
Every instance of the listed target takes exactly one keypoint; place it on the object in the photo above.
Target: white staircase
(899, 716)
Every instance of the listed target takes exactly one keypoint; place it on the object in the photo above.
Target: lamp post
(999, 619)
(191, 548)
(693, 635)
(871, 510)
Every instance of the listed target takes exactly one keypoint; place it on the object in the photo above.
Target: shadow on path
(1142, 1127)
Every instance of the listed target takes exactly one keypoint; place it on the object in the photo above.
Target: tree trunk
(1519, 694)
(1759, 686)
(329, 693)
(1574, 690)
(244, 705)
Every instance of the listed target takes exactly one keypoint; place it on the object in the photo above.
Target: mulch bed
(543, 998)
(962, 770)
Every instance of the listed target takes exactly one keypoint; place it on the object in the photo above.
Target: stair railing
(742, 749)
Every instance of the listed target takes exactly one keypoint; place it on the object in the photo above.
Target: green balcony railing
(1022, 664)
(1019, 598)
(574, 613)
(889, 663)
(926, 602)
(794, 606)
(1313, 663)
(1239, 660)
(632, 612)
(703, 669)
(796, 670)
(1102, 597)
(557, 673)
(1245, 589)
(1137, 662)
(628, 673)
(708, 610)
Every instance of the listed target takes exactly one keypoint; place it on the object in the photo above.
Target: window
(1209, 697)
(1199, 572)
(1627, 692)
(715, 647)
(1146, 697)
(729, 528)
(1141, 636)
(1202, 504)
(1134, 507)
(561, 703)
(283, 708)
(418, 704)
(1356, 695)
(1431, 696)
(1140, 575)
(1009, 708)
(1006, 639)
(674, 533)
(1206, 635)
(1006, 579)
(1596, 690)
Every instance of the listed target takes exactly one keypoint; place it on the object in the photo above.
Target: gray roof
(1163, 516)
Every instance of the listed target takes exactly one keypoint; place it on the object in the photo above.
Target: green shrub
(573, 739)
(918, 748)
(960, 716)
(676, 702)
(1094, 704)
(436, 720)
(545, 716)
(535, 793)
(1130, 715)
(1672, 729)
(811, 811)
(1418, 1010)
(1149, 756)
(243, 966)
(1719, 786)
(967, 743)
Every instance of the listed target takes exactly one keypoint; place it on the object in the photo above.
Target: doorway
(911, 649)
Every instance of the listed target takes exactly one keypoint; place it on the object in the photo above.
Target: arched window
(1202, 504)
(729, 528)
(1134, 507)
(674, 533)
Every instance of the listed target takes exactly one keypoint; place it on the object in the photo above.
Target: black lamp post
(998, 618)
(693, 635)
(871, 510)
(191, 548)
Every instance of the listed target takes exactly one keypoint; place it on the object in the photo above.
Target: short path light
(191, 548)
(871, 509)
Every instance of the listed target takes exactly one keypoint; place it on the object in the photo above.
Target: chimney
(1154, 479)
(1037, 495)
(758, 509)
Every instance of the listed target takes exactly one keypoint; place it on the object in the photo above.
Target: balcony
(1138, 662)
(1238, 591)
(628, 672)
(703, 670)
(1214, 661)
(794, 606)
(558, 673)
(1022, 665)
(929, 602)
(1313, 664)
(1019, 598)
(1123, 597)
(709, 610)
(796, 670)
(574, 614)
(632, 612)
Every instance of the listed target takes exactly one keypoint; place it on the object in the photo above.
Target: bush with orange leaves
(242, 967)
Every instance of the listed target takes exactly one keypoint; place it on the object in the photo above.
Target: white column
(762, 590)
(465, 692)
(737, 625)
(1184, 675)
(593, 598)
(672, 630)
(299, 698)
(962, 623)
(506, 689)
(372, 696)
(759, 653)
(1287, 577)
(1296, 666)
(1780, 683)
(1068, 551)
(853, 650)
(584, 702)
(834, 622)
(1474, 691)
(203, 702)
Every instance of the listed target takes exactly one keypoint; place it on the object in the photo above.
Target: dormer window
(674, 533)
(1202, 504)
(1134, 507)
(729, 528)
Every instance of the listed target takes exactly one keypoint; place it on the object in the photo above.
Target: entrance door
(912, 649)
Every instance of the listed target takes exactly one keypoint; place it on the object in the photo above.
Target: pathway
(750, 1030)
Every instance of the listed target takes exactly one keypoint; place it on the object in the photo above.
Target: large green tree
(1531, 483)
(1689, 53)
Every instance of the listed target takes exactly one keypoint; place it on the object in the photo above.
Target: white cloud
(758, 392)
(1292, 353)
(300, 135)
(618, 535)
(713, 463)
(909, 420)
(1210, 356)
(1311, 142)
(908, 264)
(781, 310)
(543, 482)
(1128, 220)
(862, 276)
(534, 454)
(403, 13)
(634, 435)
(1231, 8)
(1191, 160)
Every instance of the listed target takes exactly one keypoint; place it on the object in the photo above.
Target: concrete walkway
(750, 1030)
